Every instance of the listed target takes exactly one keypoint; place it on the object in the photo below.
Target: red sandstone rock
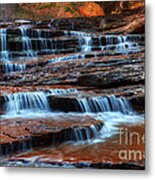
(99, 155)
(21, 134)
(91, 9)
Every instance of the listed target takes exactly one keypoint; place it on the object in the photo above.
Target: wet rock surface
(60, 65)
(100, 155)
(85, 72)
(25, 134)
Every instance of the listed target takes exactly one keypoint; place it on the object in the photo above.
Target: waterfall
(113, 39)
(13, 67)
(82, 134)
(85, 40)
(26, 43)
(4, 55)
(38, 42)
(22, 103)
(120, 44)
(17, 102)
(104, 104)
(43, 41)
(62, 91)
(86, 47)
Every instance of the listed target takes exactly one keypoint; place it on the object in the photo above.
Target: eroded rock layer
(25, 134)
(70, 80)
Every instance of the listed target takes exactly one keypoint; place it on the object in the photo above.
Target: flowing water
(39, 42)
(3, 42)
(111, 110)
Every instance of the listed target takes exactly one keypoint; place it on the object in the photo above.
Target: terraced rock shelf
(67, 86)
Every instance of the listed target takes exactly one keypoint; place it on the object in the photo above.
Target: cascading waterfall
(119, 44)
(87, 133)
(29, 101)
(43, 41)
(13, 67)
(17, 102)
(4, 55)
(111, 110)
(86, 47)
(104, 104)
(26, 43)
(85, 41)
(35, 42)
(62, 91)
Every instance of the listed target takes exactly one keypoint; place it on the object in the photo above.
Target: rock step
(101, 75)
(43, 132)
(75, 49)
(69, 100)
(16, 44)
(32, 54)
(37, 44)
(35, 33)
(99, 155)
(16, 65)
(91, 102)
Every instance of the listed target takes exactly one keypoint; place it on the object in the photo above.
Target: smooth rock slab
(24, 134)
(100, 155)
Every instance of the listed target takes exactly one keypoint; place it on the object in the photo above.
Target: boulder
(64, 103)
(138, 102)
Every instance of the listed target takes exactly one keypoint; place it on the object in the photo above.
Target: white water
(4, 55)
(67, 58)
(58, 91)
(22, 102)
(31, 104)
(124, 44)
(85, 40)
(26, 42)
(13, 67)
(43, 41)
(104, 104)
(84, 134)
(86, 43)
(19, 102)
(111, 110)
(112, 120)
